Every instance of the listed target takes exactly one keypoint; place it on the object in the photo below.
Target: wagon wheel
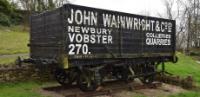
(148, 68)
(62, 77)
(148, 79)
(73, 75)
(121, 73)
(87, 82)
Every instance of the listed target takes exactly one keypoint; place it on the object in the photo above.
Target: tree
(187, 18)
(8, 13)
(192, 11)
(172, 11)
(5, 7)
(41, 5)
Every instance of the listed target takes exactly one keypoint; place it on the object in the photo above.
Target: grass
(187, 94)
(7, 61)
(10, 60)
(13, 40)
(186, 66)
(26, 89)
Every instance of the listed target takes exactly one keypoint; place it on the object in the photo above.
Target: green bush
(5, 7)
(194, 53)
(9, 14)
(4, 20)
(16, 18)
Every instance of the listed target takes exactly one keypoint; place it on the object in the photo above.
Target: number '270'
(78, 49)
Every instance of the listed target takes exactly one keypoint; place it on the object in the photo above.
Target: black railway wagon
(86, 44)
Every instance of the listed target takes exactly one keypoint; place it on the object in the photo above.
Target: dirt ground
(162, 91)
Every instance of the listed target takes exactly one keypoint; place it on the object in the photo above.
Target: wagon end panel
(46, 35)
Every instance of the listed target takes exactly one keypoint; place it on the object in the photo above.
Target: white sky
(143, 7)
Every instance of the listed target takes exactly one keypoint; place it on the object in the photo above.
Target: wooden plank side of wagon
(127, 42)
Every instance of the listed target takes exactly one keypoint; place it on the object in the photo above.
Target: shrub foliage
(8, 14)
